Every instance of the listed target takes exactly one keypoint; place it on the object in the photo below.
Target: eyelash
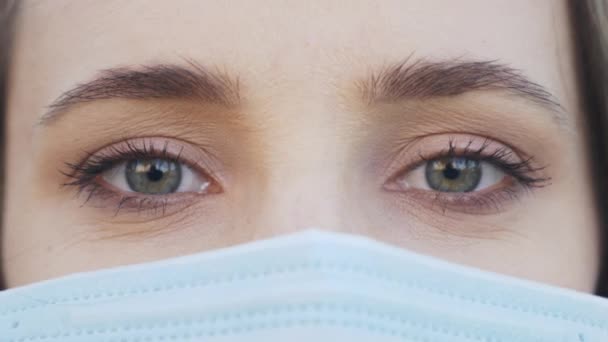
(84, 176)
(522, 170)
(525, 177)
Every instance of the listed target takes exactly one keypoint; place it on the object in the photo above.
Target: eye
(453, 174)
(152, 176)
(463, 174)
(155, 176)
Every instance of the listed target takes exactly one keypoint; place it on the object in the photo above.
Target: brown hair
(7, 18)
(590, 35)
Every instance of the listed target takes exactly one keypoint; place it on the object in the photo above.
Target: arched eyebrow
(423, 79)
(159, 81)
(420, 79)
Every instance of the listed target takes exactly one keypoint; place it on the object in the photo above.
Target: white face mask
(310, 286)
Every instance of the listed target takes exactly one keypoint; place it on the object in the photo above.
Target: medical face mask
(310, 286)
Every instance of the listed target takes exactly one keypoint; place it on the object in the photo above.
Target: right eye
(155, 176)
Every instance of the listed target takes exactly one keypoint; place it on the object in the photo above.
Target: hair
(589, 21)
(8, 10)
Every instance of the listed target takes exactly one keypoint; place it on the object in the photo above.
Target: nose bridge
(305, 197)
(303, 188)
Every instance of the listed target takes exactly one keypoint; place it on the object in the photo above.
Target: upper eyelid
(156, 147)
(501, 153)
(481, 154)
(415, 152)
(522, 169)
(447, 154)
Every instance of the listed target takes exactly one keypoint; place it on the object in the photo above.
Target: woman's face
(144, 130)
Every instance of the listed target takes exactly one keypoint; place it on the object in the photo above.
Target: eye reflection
(453, 174)
(155, 176)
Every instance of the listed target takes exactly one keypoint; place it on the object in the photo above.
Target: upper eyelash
(82, 175)
(95, 164)
(524, 171)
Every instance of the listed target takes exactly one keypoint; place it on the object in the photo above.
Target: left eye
(452, 174)
(155, 176)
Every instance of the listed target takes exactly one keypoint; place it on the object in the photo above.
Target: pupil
(450, 172)
(453, 174)
(155, 174)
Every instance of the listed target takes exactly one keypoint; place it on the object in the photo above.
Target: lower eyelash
(470, 203)
(95, 193)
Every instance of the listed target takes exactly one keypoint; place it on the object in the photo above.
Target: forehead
(65, 41)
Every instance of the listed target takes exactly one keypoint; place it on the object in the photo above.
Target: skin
(301, 148)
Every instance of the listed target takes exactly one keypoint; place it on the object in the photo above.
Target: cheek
(564, 242)
(552, 238)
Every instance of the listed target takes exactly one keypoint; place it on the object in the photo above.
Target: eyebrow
(159, 81)
(423, 79)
